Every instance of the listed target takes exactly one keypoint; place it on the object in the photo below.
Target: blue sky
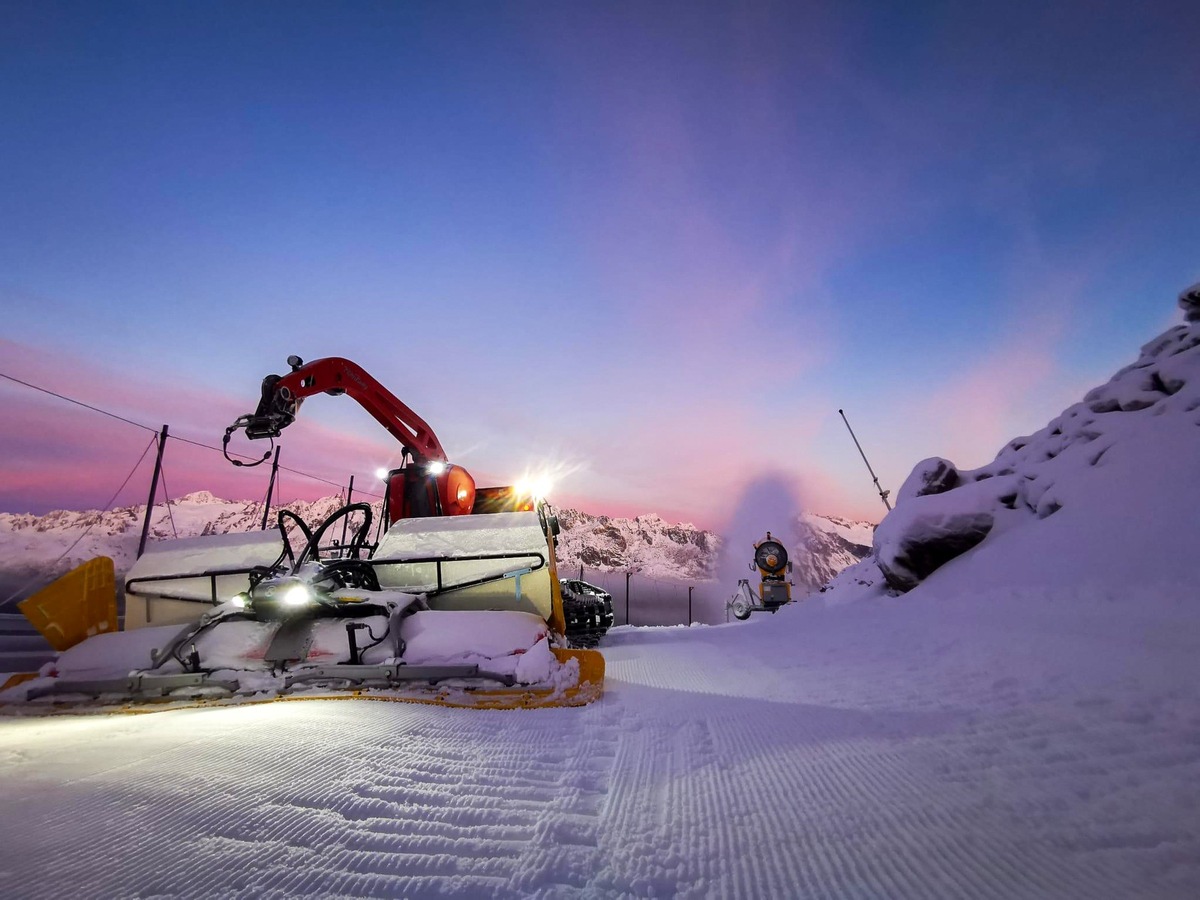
(652, 246)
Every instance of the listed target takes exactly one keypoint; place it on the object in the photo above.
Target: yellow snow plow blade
(588, 689)
(77, 606)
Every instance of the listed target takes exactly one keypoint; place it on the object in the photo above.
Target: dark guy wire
(13, 596)
(335, 484)
(103, 412)
(112, 415)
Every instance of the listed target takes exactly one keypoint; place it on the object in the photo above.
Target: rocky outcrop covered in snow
(942, 512)
(1189, 302)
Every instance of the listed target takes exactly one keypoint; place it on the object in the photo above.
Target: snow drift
(1108, 489)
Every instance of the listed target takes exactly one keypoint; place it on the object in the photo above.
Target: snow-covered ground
(1024, 722)
(1011, 743)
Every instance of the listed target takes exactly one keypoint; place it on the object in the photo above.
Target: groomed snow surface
(1024, 723)
(1018, 743)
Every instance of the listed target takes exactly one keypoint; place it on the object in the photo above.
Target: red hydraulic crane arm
(283, 394)
(430, 486)
(335, 375)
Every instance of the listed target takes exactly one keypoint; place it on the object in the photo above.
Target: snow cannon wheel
(741, 610)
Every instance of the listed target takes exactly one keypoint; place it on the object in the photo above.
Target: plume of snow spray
(768, 502)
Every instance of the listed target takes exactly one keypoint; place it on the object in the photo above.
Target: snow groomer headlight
(283, 600)
(297, 595)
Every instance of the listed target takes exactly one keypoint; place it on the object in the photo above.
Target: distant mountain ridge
(30, 544)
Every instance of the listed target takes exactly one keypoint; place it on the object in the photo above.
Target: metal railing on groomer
(439, 586)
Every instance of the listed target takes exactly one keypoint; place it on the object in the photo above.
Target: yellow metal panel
(77, 606)
(19, 678)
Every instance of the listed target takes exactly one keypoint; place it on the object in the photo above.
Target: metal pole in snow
(162, 445)
(345, 519)
(883, 495)
(271, 488)
(689, 604)
(628, 575)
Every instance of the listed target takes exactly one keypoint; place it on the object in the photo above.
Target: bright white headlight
(296, 595)
(238, 600)
(536, 486)
(437, 467)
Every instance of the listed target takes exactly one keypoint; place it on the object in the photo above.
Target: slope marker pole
(883, 495)
(345, 519)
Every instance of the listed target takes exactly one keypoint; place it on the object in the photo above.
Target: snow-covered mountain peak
(200, 498)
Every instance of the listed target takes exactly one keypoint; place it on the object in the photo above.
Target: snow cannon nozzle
(774, 591)
(770, 557)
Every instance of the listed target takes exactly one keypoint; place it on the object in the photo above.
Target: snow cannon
(774, 590)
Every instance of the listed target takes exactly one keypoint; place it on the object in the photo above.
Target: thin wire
(107, 506)
(175, 437)
(282, 468)
(112, 415)
(103, 412)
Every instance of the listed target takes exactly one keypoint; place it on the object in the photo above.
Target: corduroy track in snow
(868, 754)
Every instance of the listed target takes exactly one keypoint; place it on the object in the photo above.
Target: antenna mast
(883, 495)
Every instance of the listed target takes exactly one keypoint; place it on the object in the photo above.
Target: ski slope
(1018, 743)
(1023, 723)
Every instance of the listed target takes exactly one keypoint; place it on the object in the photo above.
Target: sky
(650, 248)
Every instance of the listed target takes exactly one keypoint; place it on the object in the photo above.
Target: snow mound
(1115, 473)
(502, 642)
